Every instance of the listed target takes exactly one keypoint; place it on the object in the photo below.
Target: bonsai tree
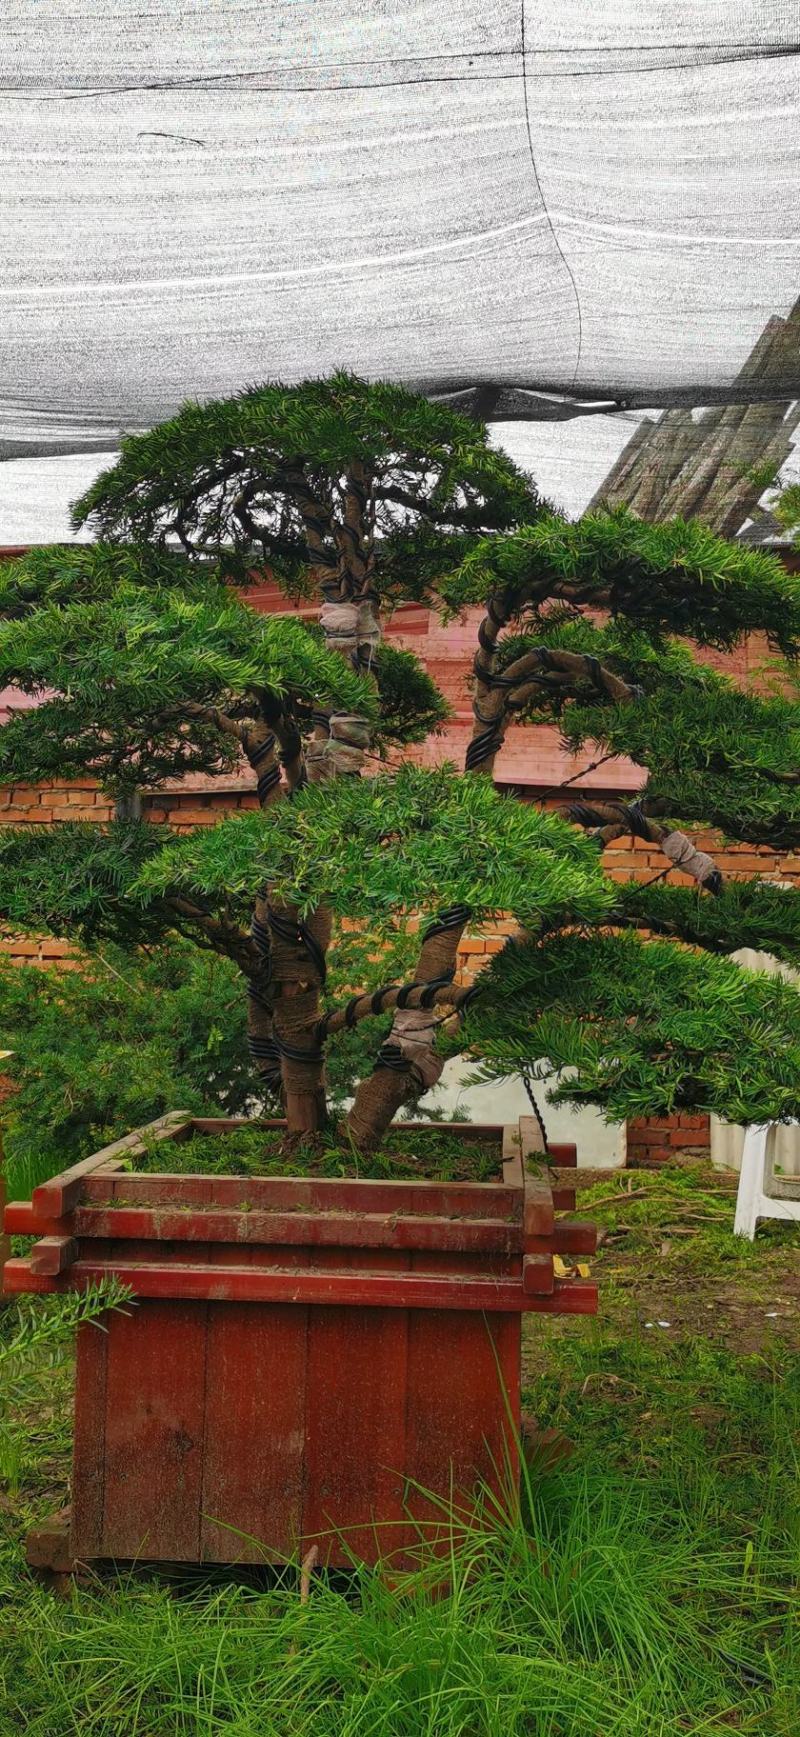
(149, 662)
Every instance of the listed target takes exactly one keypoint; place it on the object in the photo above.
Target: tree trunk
(298, 968)
(408, 1063)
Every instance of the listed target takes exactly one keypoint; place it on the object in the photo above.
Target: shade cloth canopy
(590, 203)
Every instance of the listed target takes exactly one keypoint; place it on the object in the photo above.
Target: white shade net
(588, 203)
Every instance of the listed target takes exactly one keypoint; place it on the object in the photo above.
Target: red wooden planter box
(303, 1357)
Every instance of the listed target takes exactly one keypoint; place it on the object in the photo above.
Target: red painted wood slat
(22, 1219)
(569, 1236)
(240, 1284)
(538, 1278)
(459, 1429)
(334, 1229)
(54, 1198)
(155, 1393)
(252, 1497)
(355, 1449)
(89, 1441)
(53, 1254)
(475, 1200)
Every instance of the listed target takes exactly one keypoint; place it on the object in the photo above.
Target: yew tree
(149, 662)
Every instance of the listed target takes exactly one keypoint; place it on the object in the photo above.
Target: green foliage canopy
(642, 1028)
(415, 841)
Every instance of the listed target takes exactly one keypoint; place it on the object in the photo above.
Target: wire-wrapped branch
(540, 670)
(488, 702)
(393, 995)
(569, 668)
(612, 820)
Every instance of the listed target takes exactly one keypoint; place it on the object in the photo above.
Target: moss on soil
(431, 1155)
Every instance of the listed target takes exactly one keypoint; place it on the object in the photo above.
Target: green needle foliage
(787, 507)
(642, 1028)
(229, 476)
(714, 755)
(127, 671)
(147, 664)
(91, 573)
(392, 844)
(673, 578)
(78, 880)
(762, 917)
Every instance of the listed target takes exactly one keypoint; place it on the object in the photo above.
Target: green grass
(648, 1587)
(431, 1153)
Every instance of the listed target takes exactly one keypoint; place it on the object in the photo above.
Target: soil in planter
(429, 1155)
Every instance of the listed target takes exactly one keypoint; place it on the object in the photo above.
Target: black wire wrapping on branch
(264, 1051)
(390, 1054)
(429, 988)
(291, 1053)
(483, 747)
(297, 931)
(631, 815)
(265, 781)
(260, 937)
(454, 917)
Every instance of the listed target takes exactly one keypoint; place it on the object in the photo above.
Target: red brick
(471, 944)
(196, 817)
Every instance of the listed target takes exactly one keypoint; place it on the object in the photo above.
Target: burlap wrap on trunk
(685, 856)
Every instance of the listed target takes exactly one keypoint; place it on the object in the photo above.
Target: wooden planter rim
(286, 1219)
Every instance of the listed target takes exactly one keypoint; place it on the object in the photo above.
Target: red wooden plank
(331, 1229)
(513, 1174)
(567, 1237)
(479, 1200)
(252, 1499)
(565, 1156)
(54, 1198)
(17, 1277)
(232, 1124)
(53, 1254)
(537, 1218)
(570, 1297)
(355, 1424)
(155, 1394)
(89, 1441)
(20, 1219)
(237, 1284)
(151, 1190)
(564, 1199)
(460, 1429)
(531, 1138)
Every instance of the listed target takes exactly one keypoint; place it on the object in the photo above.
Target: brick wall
(661, 1137)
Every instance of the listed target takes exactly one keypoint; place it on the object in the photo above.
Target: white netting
(592, 203)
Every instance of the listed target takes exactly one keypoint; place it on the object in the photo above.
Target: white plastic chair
(762, 1194)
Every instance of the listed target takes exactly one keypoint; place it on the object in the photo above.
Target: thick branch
(572, 667)
(397, 1076)
(612, 820)
(227, 938)
(369, 1004)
